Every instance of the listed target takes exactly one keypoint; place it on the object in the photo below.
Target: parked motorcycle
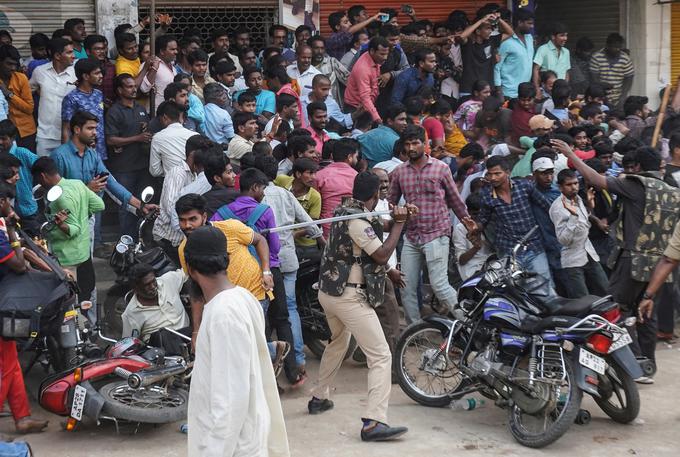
(315, 330)
(127, 254)
(532, 354)
(133, 382)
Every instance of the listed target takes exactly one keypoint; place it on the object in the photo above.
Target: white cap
(542, 164)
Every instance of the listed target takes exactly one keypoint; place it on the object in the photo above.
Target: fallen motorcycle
(533, 355)
(134, 383)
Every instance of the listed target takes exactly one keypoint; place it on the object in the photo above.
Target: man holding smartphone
(77, 159)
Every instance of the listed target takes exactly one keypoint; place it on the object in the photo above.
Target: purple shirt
(242, 207)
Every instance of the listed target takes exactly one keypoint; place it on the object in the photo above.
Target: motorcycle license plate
(590, 360)
(624, 340)
(78, 402)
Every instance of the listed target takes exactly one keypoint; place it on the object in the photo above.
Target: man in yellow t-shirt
(243, 269)
(128, 55)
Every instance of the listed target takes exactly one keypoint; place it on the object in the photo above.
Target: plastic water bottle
(467, 404)
(184, 428)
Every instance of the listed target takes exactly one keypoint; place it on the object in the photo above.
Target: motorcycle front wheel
(542, 428)
(619, 396)
(152, 404)
(423, 370)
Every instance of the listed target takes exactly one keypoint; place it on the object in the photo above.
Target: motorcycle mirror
(54, 193)
(38, 192)
(147, 194)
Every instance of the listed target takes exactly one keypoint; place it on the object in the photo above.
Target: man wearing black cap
(234, 407)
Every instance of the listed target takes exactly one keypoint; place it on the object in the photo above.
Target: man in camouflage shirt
(649, 215)
(351, 284)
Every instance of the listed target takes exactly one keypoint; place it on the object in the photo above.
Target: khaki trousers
(350, 314)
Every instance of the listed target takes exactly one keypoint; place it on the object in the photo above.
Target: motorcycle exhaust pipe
(147, 377)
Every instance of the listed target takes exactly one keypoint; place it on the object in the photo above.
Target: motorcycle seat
(571, 306)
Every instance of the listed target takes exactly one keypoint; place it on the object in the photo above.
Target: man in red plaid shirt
(428, 184)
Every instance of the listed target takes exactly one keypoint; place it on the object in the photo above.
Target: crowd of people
(480, 127)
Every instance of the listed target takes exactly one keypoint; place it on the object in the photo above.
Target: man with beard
(413, 80)
(426, 183)
(177, 92)
(156, 305)
(317, 114)
(86, 97)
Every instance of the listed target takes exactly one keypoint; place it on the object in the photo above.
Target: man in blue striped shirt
(516, 56)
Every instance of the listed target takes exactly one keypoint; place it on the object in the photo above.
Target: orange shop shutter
(434, 10)
(675, 41)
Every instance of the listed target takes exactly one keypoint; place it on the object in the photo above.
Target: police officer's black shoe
(318, 406)
(377, 431)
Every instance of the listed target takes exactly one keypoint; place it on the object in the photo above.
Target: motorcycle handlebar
(524, 239)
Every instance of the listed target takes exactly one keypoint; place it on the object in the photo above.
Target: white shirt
(239, 84)
(238, 147)
(462, 245)
(572, 233)
(305, 79)
(52, 87)
(384, 205)
(169, 312)
(268, 127)
(234, 405)
(389, 165)
(168, 148)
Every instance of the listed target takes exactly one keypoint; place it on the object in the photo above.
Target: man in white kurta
(234, 406)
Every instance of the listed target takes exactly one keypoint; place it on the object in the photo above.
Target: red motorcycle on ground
(134, 383)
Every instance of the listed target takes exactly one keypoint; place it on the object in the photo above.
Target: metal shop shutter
(675, 41)
(27, 17)
(434, 10)
(256, 15)
(593, 19)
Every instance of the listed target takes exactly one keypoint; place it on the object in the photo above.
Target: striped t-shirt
(612, 73)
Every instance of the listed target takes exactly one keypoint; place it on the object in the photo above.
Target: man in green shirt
(300, 184)
(70, 237)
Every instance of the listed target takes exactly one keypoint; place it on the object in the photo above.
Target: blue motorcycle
(532, 353)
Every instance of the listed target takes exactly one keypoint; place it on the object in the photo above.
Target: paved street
(336, 433)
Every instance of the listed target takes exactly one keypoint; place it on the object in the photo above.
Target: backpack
(226, 213)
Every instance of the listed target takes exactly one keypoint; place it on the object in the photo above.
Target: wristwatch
(266, 273)
(647, 296)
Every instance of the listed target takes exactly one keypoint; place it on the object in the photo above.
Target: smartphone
(102, 175)
(407, 9)
(383, 17)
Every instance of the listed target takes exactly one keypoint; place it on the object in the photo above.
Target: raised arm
(588, 173)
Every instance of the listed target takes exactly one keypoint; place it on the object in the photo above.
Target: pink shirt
(334, 182)
(362, 85)
(319, 139)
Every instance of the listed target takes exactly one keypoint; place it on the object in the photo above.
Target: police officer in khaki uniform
(351, 285)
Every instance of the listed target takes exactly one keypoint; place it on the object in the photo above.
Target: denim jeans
(270, 345)
(533, 262)
(294, 317)
(134, 181)
(436, 256)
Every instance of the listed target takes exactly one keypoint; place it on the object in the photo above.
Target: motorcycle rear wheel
(618, 385)
(151, 405)
(565, 416)
(419, 383)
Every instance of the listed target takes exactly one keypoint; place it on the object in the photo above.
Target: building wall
(648, 27)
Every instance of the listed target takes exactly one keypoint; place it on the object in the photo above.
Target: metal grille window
(257, 19)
